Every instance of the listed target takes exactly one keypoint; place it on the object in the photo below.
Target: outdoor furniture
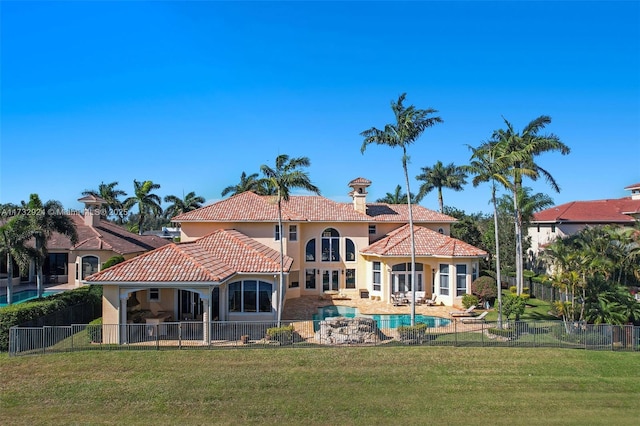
(397, 300)
(479, 318)
(466, 313)
(429, 301)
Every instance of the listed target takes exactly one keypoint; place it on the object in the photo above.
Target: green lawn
(384, 385)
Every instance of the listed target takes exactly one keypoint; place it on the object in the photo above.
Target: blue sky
(191, 94)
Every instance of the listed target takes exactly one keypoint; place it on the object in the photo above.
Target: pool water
(24, 295)
(383, 320)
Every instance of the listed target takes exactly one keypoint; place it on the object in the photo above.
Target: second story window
(310, 250)
(350, 253)
(293, 232)
(372, 229)
(277, 232)
(330, 245)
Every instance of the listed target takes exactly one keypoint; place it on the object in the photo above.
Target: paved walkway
(304, 307)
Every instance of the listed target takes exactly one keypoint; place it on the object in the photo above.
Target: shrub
(416, 332)
(94, 331)
(283, 335)
(469, 300)
(512, 304)
(485, 288)
(513, 289)
(112, 261)
(21, 313)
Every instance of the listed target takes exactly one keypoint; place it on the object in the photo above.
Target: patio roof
(213, 258)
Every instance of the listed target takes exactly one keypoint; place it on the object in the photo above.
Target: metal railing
(333, 332)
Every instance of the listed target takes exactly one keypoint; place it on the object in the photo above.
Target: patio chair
(429, 301)
(396, 300)
(479, 318)
(466, 313)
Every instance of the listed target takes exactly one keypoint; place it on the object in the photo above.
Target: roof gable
(427, 243)
(617, 210)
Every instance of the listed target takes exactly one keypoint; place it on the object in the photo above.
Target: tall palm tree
(524, 147)
(282, 179)
(13, 236)
(440, 176)
(248, 183)
(397, 197)
(182, 205)
(109, 193)
(410, 124)
(148, 202)
(487, 165)
(49, 219)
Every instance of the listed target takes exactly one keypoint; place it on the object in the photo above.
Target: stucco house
(98, 240)
(227, 265)
(569, 218)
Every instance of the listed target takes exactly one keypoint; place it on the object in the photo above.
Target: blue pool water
(383, 320)
(23, 296)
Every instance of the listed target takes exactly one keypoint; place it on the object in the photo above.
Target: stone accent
(345, 331)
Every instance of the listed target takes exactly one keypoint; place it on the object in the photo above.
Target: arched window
(89, 265)
(350, 250)
(330, 245)
(311, 250)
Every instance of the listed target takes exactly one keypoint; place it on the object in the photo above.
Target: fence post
(455, 332)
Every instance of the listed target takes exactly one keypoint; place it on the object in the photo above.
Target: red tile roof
(212, 258)
(105, 236)
(249, 207)
(360, 181)
(428, 243)
(634, 186)
(617, 210)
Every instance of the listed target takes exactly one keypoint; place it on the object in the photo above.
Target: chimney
(635, 191)
(92, 209)
(359, 194)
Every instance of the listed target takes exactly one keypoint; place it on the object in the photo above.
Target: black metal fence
(333, 332)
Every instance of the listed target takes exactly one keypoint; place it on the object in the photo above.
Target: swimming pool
(24, 295)
(383, 320)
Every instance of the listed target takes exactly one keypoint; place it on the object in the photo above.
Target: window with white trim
(461, 280)
(330, 245)
(444, 279)
(350, 278)
(293, 232)
(311, 250)
(277, 232)
(372, 229)
(350, 252)
(154, 295)
(250, 296)
(377, 276)
(310, 278)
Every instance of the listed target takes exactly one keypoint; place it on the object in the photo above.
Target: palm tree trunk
(39, 277)
(440, 200)
(9, 279)
(498, 274)
(518, 230)
(281, 282)
(413, 242)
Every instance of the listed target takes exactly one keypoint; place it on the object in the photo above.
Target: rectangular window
(154, 295)
(461, 280)
(350, 278)
(235, 297)
(377, 276)
(372, 229)
(444, 280)
(310, 278)
(56, 264)
(294, 284)
(277, 233)
(250, 299)
(264, 297)
(474, 272)
(553, 228)
(293, 232)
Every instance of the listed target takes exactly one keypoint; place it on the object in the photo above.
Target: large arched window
(350, 252)
(330, 245)
(311, 250)
(250, 296)
(89, 265)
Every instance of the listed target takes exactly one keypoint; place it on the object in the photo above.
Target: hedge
(20, 313)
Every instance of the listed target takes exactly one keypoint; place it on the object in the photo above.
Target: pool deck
(304, 307)
(32, 286)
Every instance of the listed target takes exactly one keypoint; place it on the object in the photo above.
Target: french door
(330, 279)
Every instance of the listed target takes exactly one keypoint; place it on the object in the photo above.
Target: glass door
(330, 279)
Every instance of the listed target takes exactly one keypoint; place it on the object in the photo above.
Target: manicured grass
(384, 385)
(536, 309)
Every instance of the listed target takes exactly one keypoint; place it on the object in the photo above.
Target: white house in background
(569, 218)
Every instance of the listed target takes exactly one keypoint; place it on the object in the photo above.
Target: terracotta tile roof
(383, 212)
(92, 199)
(428, 243)
(249, 207)
(634, 186)
(617, 210)
(360, 181)
(105, 236)
(212, 258)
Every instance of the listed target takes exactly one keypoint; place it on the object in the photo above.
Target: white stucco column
(205, 321)
(123, 318)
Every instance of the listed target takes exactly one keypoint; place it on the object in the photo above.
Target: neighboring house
(98, 240)
(568, 219)
(227, 265)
